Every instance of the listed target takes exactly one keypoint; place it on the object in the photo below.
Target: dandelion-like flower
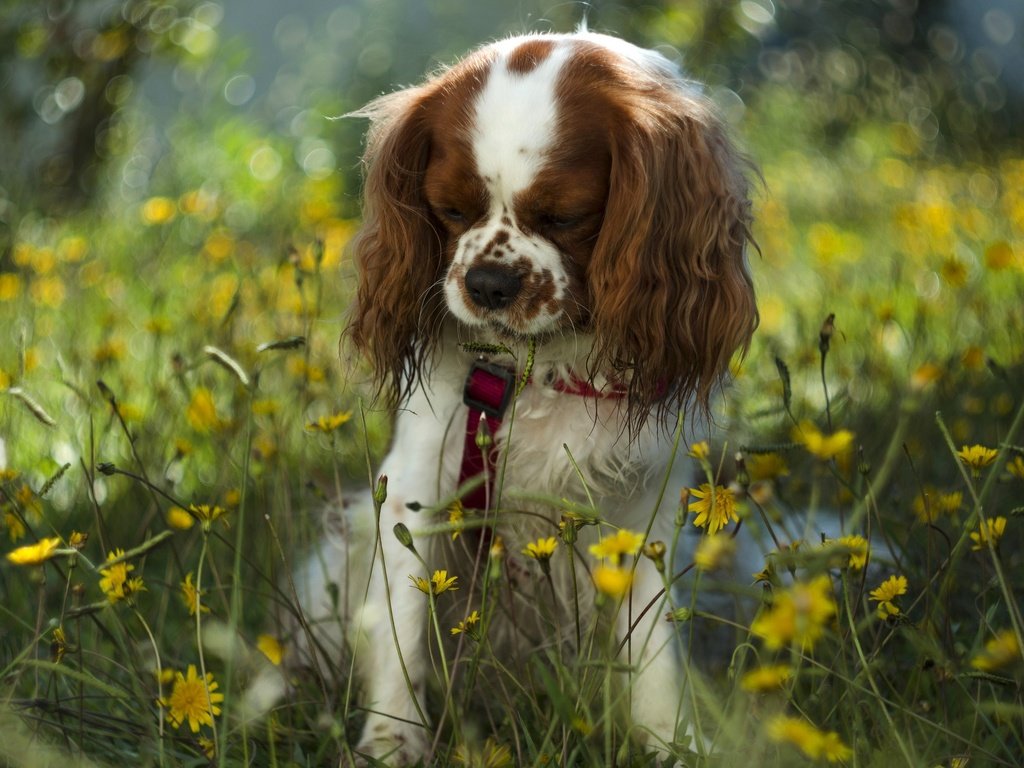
(1001, 651)
(825, 447)
(1016, 466)
(179, 519)
(456, 514)
(615, 546)
(700, 451)
(439, 583)
(541, 549)
(766, 466)
(192, 596)
(115, 583)
(768, 678)
(192, 699)
(814, 743)
(857, 551)
(714, 552)
(467, 625)
(988, 534)
(977, 457)
(35, 554)
(328, 424)
(612, 580)
(886, 594)
(202, 412)
(207, 514)
(798, 615)
(714, 508)
(491, 755)
(270, 647)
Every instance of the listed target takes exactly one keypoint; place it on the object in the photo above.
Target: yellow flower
(768, 678)
(714, 508)
(825, 447)
(989, 533)
(700, 451)
(455, 516)
(192, 699)
(492, 755)
(158, 210)
(115, 582)
(208, 745)
(541, 549)
(15, 528)
(202, 412)
(1001, 651)
(328, 424)
(468, 624)
(58, 645)
(614, 546)
(857, 550)
(977, 457)
(886, 594)
(808, 739)
(270, 647)
(179, 519)
(438, 583)
(714, 551)
(192, 596)
(798, 615)
(766, 466)
(77, 540)
(34, 554)
(10, 286)
(612, 581)
(207, 514)
(1016, 466)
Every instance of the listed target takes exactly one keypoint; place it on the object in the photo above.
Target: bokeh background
(176, 176)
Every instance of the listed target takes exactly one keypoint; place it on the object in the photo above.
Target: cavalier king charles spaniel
(552, 282)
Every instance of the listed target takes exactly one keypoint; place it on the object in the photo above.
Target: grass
(179, 351)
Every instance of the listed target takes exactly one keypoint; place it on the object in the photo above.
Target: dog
(552, 281)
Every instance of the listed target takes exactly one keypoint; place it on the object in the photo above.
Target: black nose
(492, 287)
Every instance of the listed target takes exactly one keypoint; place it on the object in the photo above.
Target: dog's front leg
(394, 668)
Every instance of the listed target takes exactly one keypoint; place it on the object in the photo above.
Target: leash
(488, 392)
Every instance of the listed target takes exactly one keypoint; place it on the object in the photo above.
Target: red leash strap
(488, 392)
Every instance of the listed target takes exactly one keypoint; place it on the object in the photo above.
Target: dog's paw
(390, 744)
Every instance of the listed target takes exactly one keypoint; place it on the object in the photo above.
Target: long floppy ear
(672, 296)
(398, 251)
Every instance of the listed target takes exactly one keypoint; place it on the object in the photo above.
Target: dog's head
(553, 185)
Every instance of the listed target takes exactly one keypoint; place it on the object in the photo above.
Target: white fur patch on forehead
(515, 119)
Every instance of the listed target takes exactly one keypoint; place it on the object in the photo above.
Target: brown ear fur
(672, 297)
(398, 251)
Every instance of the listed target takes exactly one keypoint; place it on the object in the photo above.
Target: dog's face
(557, 185)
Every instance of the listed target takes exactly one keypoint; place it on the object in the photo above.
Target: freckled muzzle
(492, 287)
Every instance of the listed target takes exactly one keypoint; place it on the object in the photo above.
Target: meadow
(177, 408)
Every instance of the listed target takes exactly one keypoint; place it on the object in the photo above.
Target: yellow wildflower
(1016, 466)
(77, 540)
(886, 594)
(192, 596)
(58, 645)
(825, 447)
(270, 647)
(714, 508)
(179, 519)
(115, 583)
(700, 451)
(202, 412)
(614, 546)
(612, 581)
(541, 549)
(1001, 651)
(988, 534)
(714, 552)
(492, 755)
(456, 514)
(808, 739)
(208, 745)
(798, 615)
(977, 457)
(193, 699)
(438, 583)
(857, 549)
(207, 514)
(467, 625)
(766, 466)
(767, 678)
(35, 554)
(15, 528)
(158, 210)
(328, 424)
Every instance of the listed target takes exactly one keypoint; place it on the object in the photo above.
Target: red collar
(488, 392)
